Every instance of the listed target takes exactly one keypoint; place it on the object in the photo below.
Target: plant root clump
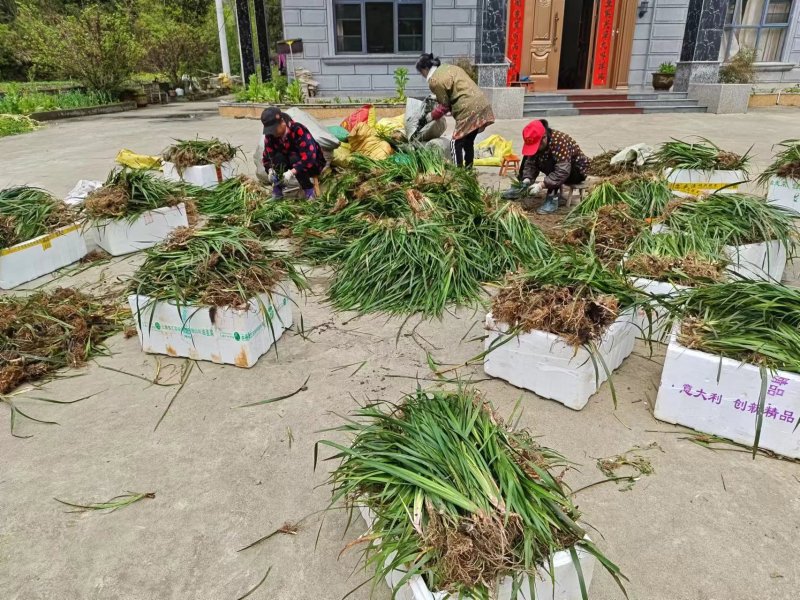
(728, 160)
(790, 170)
(611, 230)
(108, 201)
(686, 270)
(579, 316)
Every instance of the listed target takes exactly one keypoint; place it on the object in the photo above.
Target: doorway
(576, 43)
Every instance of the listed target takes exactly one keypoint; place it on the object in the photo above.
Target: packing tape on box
(43, 241)
(699, 188)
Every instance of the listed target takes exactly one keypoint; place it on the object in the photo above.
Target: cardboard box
(120, 236)
(218, 334)
(547, 365)
(206, 176)
(719, 396)
(785, 193)
(564, 586)
(764, 260)
(42, 255)
(694, 182)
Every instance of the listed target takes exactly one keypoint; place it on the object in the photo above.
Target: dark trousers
(304, 179)
(464, 150)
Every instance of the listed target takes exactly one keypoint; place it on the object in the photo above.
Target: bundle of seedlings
(244, 202)
(786, 163)
(608, 232)
(28, 212)
(750, 321)
(458, 497)
(675, 258)
(571, 295)
(194, 153)
(213, 266)
(127, 193)
(703, 155)
(47, 331)
(731, 219)
(646, 196)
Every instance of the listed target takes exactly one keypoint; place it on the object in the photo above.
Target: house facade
(353, 46)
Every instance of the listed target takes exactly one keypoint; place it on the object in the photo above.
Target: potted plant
(459, 504)
(664, 77)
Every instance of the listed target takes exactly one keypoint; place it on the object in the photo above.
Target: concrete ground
(706, 525)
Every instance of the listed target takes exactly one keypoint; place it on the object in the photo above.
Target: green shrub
(21, 101)
(740, 68)
(400, 82)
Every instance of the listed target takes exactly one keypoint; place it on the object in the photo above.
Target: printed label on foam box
(784, 192)
(720, 396)
(694, 182)
(547, 365)
(562, 583)
(217, 334)
(207, 176)
(42, 255)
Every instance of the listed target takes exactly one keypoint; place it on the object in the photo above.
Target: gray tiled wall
(449, 33)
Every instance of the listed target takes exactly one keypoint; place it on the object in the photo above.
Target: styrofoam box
(693, 182)
(39, 256)
(547, 365)
(120, 236)
(657, 327)
(567, 583)
(720, 396)
(207, 176)
(218, 334)
(784, 192)
(764, 260)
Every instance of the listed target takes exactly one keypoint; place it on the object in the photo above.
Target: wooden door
(542, 42)
(623, 43)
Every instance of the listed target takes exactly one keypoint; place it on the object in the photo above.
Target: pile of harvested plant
(46, 331)
(414, 233)
(670, 257)
(646, 196)
(571, 295)
(786, 163)
(127, 193)
(608, 232)
(703, 155)
(600, 165)
(193, 153)
(213, 266)
(27, 212)
(244, 202)
(458, 497)
(750, 321)
(730, 219)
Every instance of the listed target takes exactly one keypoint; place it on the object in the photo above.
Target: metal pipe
(223, 39)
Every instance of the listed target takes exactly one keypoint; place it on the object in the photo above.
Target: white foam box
(120, 236)
(564, 586)
(218, 334)
(42, 255)
(548, 366)
(763, 260)
(657, 327)
(693, 182)
(785, 193)
(718, 395)
(206, 176)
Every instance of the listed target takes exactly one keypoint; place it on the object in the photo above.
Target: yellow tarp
(490, 152)
(364, 140)
(341, 155)
(128, 158)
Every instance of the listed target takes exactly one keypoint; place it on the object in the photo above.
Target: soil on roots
(790, 170)
(728, 160)
(577, 316)
(686, 270)
(108, 202)
(611, 231)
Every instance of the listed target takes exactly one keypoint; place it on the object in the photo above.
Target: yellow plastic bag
(128, 158)
(490, 152)
(341, 155)
(392, 125)
(364, 140)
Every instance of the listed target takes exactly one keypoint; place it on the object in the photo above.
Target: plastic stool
(510, 164)
(576, 187)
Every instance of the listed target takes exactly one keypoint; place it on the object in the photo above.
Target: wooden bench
(575, 187)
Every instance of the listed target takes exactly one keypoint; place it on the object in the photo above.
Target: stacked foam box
(547, 365)
(762, 260)
(217, 334)
(121, 236)
(694, 182)
(206, 176)
(42, 255)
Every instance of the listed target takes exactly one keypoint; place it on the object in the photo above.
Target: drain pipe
(223, 39)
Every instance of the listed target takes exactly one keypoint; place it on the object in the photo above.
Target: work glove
(273, 178)
(526, 182)
(534, 189)
(287, 177)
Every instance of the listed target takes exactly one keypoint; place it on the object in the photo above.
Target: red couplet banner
(516, 13)
(603, 44)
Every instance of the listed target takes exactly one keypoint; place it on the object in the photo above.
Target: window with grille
(762, 25)
(388, 27)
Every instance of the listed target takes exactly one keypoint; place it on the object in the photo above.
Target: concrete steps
(572, 104)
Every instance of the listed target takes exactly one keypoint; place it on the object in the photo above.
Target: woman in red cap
(289, 148)
(460, 96)
(553, 153)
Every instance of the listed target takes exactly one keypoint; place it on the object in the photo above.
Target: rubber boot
(513, 193)
(550, 205)
(277, 192)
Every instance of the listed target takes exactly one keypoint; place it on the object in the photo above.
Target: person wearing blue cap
(291, 150)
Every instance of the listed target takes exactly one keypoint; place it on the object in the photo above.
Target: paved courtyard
(705, 525)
